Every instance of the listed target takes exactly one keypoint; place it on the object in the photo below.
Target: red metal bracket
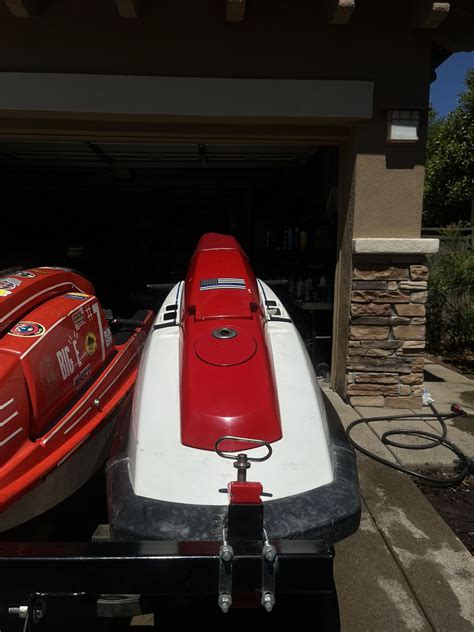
(245, 493)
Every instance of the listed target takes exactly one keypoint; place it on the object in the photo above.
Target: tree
(451, 295)
(449, 180)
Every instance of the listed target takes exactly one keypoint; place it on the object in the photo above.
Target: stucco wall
(389, 181)
(388, 202)
(187, 38)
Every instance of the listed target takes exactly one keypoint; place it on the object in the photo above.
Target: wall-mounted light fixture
(403, 126)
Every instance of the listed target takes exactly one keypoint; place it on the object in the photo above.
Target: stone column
(387, 324)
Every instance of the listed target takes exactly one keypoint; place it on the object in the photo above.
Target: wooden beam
(235, 10)
(23, 8)
(429, 14)
(128, 8)
(341, 11)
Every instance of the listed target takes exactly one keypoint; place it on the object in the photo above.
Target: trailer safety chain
(466, 464)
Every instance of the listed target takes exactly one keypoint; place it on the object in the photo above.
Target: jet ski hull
(63, 380)
(224, 358)
(329, 513)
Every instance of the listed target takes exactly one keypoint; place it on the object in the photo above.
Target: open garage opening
(130, 214)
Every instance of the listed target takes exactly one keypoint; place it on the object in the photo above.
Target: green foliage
(449, 180)
(451, 295)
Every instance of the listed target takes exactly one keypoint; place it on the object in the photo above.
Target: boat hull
(225, 365)
(329, 513)
(64, 378)
(65, 479)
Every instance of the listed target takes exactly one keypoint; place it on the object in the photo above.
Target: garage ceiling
(144, 155)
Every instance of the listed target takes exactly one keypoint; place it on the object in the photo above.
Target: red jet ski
(64, 380)
(224, 372)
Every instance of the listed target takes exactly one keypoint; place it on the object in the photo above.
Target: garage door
(128, 214)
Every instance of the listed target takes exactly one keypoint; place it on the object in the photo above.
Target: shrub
(450, 316)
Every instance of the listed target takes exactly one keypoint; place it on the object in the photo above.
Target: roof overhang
(456, 32)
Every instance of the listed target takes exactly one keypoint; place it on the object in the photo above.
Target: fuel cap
(225, 346)
(224, 333)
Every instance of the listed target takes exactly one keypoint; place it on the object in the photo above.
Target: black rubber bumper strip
(328, 513)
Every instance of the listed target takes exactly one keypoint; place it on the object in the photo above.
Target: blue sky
(450, 82)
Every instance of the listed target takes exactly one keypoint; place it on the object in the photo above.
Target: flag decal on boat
(222, 284)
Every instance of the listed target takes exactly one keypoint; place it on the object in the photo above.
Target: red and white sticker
(82, 377)
(26, 328)
(9, 283)
(108, 337)
(78, 318)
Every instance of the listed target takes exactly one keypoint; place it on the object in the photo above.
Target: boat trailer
(107, 578)
(37, 578)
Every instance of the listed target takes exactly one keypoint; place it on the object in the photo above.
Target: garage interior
(129, 214)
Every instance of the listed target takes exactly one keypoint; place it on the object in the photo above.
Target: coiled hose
(466, 464)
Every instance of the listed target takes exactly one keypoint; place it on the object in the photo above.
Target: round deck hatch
(225, 346)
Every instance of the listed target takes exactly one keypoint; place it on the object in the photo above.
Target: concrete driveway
(405, 569)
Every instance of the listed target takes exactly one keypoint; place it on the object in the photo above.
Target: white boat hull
(164, 483)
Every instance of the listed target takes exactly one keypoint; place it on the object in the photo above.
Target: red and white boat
(225, 369)
(64, 379)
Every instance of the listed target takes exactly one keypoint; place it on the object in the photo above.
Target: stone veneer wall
(387, 332)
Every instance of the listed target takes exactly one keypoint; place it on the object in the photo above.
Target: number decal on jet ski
(96, 311)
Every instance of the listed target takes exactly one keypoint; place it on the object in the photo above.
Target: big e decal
(66, 364)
